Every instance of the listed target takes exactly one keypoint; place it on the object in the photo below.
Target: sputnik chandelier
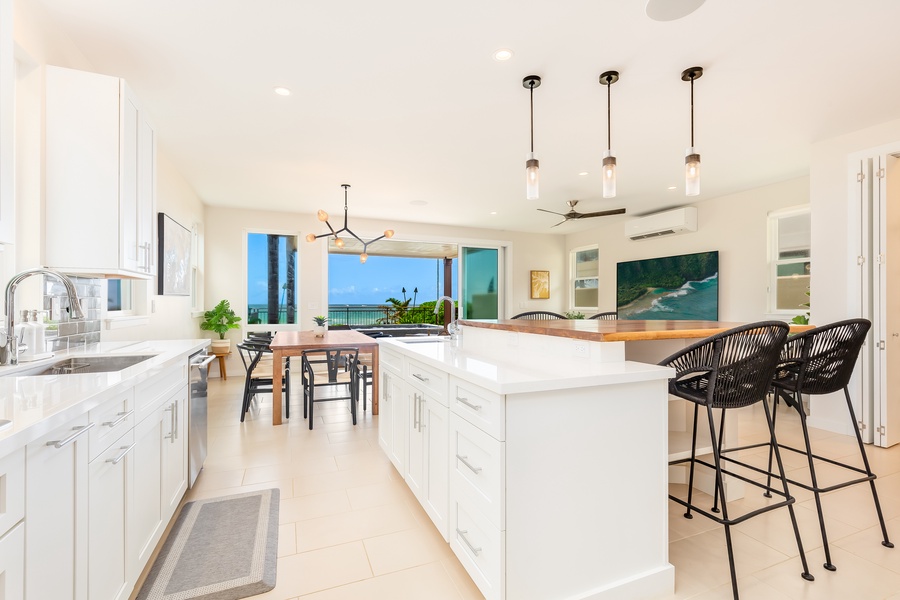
(338, 241)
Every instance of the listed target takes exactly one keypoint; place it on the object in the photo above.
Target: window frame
(773, 219)
(573, 278)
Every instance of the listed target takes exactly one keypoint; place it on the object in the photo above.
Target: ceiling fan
(573, 214)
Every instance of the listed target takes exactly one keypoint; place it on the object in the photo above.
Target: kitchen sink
(422, 340)
(78, 365)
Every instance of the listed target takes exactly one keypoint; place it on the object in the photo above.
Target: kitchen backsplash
(72, 333)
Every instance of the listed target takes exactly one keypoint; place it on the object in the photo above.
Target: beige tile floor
(351, 529)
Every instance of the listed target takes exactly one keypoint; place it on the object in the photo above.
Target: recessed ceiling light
(583, 173)
(418, 203)
(503, 54)
(493, 212)
(671, 187)
(282, 91)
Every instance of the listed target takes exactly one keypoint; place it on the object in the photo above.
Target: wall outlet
(580, 348)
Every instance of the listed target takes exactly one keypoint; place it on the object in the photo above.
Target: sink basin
(422, 340)
(78, 365)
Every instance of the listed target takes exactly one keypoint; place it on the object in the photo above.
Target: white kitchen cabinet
(174, 452)
(12, 563)
(56, 509)
(7, 123)
(111, 508)
(392, 413)
(100, 176)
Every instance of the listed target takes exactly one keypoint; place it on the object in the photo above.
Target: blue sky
(383, 277)
(350, 282)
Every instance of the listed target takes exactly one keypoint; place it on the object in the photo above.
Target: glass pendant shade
(338, 242)
(322, 215)
(363, 258)
(691, 173)
(389, 233)
(609, 175)
(532, 177)
(311, 237)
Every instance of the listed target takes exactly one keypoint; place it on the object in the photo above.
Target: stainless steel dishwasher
(197, 408)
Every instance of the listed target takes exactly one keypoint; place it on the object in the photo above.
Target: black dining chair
(314, 376)
(605, 316)
(821, 361)
(727, 371)
(539, 315)
(258, 374)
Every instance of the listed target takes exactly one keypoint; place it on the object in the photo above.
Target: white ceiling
(404, 101)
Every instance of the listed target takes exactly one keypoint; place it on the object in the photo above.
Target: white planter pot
(320, 330)
(220, 346)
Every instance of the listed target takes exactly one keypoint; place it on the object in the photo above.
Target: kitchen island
(513, 441)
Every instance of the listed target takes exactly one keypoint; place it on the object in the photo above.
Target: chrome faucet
(10, 346)
(450, 326)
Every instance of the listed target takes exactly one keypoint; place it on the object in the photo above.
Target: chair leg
(767, 493)
(287, 394)
(771, 422)
(311, 400)
(688, 514)
(719, 441)
(862, 451)
(245, 403)
(720, 492)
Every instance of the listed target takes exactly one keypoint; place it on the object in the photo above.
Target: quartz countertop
(511, 372)
(38, 404)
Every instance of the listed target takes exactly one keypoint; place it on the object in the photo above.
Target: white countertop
(506, 371)
(37, 405)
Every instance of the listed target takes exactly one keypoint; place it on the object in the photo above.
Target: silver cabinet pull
(171, 434)
(118, 458)
(79, 431)
(122, 416)
(176, 428)
(461, 533)
(416, 412)
(467, 403)
(422, 412)
(472, 467)
(420, 377)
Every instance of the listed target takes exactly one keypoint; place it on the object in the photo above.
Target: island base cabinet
(174, 452)
(111, 492)
(12, 563)
(148, 521)
(480, 547)
(392, 419)
(426, 467)
(56, 509)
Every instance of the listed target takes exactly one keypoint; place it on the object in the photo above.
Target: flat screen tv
(684, 287)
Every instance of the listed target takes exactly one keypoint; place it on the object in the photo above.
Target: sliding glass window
(272, 290)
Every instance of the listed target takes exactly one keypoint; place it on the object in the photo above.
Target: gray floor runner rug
(219, 549)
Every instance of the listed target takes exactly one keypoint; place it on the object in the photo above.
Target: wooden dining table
(292, 343)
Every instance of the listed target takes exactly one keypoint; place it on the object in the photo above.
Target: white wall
(735, 225)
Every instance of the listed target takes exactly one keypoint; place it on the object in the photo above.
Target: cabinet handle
(472, 468)
(467, 403)
(416, 411)
(118, 458)
(420, 377)
(171, 435)
(421, 412)
(122, 417)
(177, 427)
(79, 431)
(461, 533)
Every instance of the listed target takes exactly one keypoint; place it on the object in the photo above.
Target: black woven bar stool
(821, 361)
(730, 370)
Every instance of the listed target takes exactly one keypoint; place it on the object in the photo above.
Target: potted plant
(220, 319)
(320, 327)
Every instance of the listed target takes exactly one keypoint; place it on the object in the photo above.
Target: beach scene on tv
(684, 287)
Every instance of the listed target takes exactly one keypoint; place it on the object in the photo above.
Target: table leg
(277, 376)
(375, 380)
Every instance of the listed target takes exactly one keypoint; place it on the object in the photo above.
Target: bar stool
(729, 370)
(821, 361)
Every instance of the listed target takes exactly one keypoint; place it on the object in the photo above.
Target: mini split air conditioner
(670, 222)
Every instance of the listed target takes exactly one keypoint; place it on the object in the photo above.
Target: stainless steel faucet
(9, 349)
(449, 319)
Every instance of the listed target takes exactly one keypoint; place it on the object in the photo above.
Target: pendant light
(338, 241)
(692, 158)
(532, 175)
(609, 161)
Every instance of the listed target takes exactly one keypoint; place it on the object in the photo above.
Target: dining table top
(308, 340)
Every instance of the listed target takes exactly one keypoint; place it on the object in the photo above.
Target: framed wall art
(174, 257)
(540, 284)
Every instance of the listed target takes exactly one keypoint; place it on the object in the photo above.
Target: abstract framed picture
(174, 257)
(540, 285)
(684, 287)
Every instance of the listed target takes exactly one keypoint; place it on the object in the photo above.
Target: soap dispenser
(37, 326)
(25, 336)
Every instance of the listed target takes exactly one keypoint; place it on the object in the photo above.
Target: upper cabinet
(100, 177)
(7, 122)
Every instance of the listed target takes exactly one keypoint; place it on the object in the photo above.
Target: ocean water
(695, 300)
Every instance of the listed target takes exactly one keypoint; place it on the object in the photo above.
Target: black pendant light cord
(531, 92)
(608, 115)
(692, 110)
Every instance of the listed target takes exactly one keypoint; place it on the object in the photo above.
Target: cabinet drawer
(484, 409)
(147, 393)
(390, 360)
(112, 418)
(428, 379)
(476, 470)
(12, 563)
(480, 548)
(12, 490)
